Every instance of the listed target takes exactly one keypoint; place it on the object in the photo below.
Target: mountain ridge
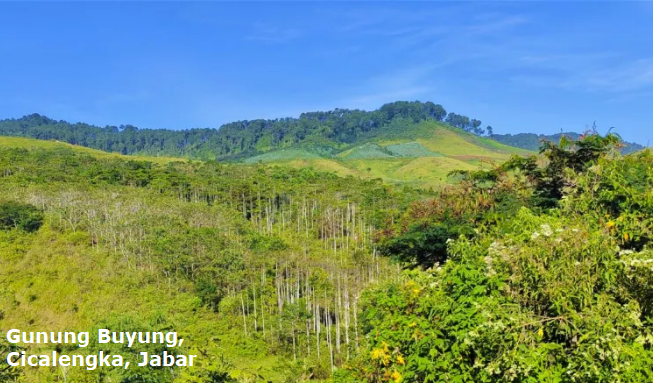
(335, 129)
(331, 131)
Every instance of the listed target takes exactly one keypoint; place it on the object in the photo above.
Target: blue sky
(518, 66)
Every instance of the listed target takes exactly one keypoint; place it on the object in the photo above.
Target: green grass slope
(31, 144)
(419, 155)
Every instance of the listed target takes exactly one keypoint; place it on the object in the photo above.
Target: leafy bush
(14, 215)
(549, 301)
(618, 194)
(423, 245)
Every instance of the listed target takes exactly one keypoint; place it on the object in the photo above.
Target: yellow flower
(377, 353)
(396, 376)
(540, 333)
(610, 224)
(626, 237)
(412, 324)
(400, 359)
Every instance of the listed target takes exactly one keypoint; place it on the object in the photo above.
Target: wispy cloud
(372, 101)
(121, 97)
(635, 75)
(404, 84)
(274, 35)
(494, 22)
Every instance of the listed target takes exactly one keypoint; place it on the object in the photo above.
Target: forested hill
(532, 141)
(325, 132)
(328, 130)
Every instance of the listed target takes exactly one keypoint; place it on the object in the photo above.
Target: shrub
(14, 215)
(550, 300)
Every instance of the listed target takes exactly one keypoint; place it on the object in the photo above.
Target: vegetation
(417, 155)
(240, 139)
(537, 269)
(7, 373)
(261, 265)
(15, 215)
(531, 141)
(535, 292)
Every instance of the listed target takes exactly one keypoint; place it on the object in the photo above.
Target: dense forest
(536, 270)
(241, 138)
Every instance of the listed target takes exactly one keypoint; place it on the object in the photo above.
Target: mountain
(412, 143)
(275, 274)
(531, 141)
(332, 130)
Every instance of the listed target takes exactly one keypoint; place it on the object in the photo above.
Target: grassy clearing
(33, 144)
(324, 165)
(366, 151)
(411, 149)
(283, 155)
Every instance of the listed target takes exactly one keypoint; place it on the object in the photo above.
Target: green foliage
(14, 215)
(424, 246)
(535, 305)
(235, 140)
(7, 372)
(277, 269)
(573, 155)
(563, 295)
(482, 198)
(531, 141)
(618, 194)
(251, 262)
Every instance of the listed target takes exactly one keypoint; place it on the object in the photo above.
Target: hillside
(292, 275)
(329, 131)
(423, 159)
(420, 155)
(32, 144)
(220, 253)
(410, 143)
